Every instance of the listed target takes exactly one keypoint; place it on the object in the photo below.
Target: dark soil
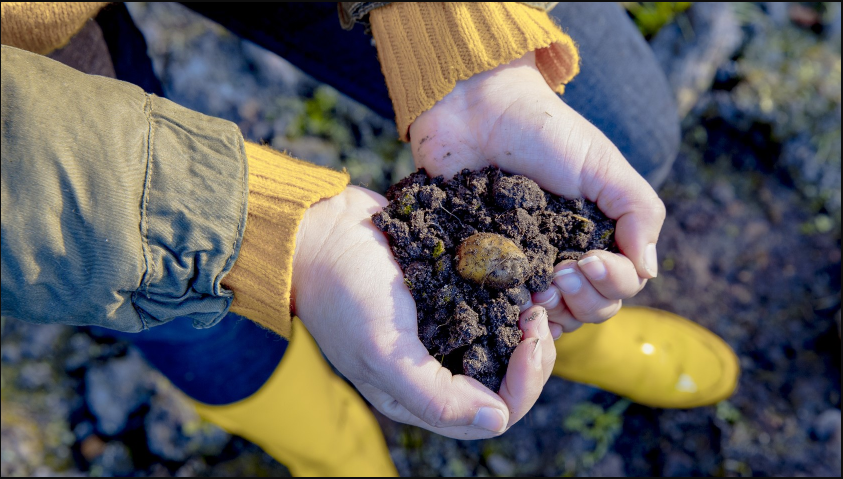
(473, 249)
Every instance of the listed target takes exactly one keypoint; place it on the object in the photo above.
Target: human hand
(349, 292)
(510, 118)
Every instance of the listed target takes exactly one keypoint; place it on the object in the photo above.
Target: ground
(750, 249)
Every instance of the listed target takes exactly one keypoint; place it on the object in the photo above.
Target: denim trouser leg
(218, 365)
(620, 89)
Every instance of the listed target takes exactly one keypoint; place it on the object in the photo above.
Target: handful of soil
(472, 249)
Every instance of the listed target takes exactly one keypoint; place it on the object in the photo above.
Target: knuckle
(658, 209)
(549, 353)
(440, 412)
(368, 367)
(599, 312)
(393, 410)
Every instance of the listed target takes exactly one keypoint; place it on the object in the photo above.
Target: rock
(11, 353)
(115, 460)
(22, 446)
(610, 466)
(678, 464)
(35, 375)
(315, 150)
(82, 349)
(499, 465)
(192, 468)
(92, 447)
(42, 340)
(174, 431)
(827, 426)
(115, 389)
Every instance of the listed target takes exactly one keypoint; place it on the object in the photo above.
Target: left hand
(510, 118)
(349, 291)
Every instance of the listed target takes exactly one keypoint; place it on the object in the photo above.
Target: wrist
(281, 190)
(311, 238)
(477, 98)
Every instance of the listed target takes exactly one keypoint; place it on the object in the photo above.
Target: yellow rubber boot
(307, 418)
(652, 357)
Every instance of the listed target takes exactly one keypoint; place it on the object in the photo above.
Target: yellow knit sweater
(424, 49)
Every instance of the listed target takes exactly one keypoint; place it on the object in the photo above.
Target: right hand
(349, 292)
(510, 118)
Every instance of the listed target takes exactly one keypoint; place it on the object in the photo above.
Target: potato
(492, 260)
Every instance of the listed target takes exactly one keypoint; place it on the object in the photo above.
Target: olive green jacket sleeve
(119, 209)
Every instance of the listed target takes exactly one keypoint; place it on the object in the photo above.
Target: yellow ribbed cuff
(425, 48)
(41, 27)
(281, 189)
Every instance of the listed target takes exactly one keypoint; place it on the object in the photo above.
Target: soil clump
(473, 249)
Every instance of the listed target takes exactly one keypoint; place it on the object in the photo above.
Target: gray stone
(174, 430)
(35, 375)
(315, 150)
(42, 340)
(499, 465)
(610, 466)
(827, 425)
(115, 389)
(11, 353)
(115, 460)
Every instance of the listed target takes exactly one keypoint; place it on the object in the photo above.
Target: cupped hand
(510, 118)
(349, 292)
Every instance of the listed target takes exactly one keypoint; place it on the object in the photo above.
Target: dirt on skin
(472, 249)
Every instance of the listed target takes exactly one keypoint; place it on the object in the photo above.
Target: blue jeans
(620, 89)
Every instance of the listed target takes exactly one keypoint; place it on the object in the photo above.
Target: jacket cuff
(425, 48)
(281, 189)
(193, 214)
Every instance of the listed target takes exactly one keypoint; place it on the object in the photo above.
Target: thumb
(624, 195)
(424, 393)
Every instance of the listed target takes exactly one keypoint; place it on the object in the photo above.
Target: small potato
(492, 260)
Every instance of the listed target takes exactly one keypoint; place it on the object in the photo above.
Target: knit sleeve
(41, 27)
(425, 48)
(281, 189)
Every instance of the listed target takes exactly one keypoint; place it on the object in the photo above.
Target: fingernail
(593, 267)
(558, 329)
(544, 329)
(567, 280)
(490, 419)
(651, 260)
(536, 355)
(551, 296)
(525, 306)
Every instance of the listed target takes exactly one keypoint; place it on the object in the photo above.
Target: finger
(548, 299)
(392, 409)
(556, 330)
(621, 193)
(606, 178)
(561, 320)
(526, 306)
(534, 324)
(419, 383)
(582, 300)
(525, 375)
(612, 275)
